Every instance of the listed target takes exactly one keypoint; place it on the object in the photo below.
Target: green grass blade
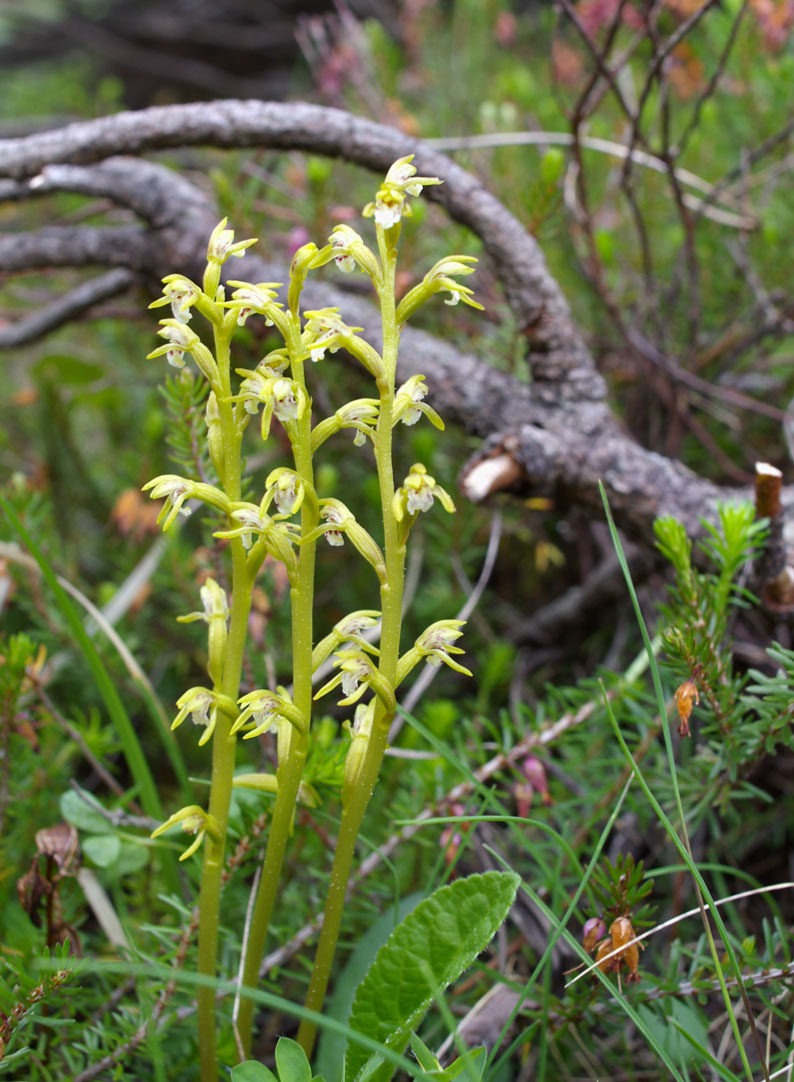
(133, 753)
(163, 974)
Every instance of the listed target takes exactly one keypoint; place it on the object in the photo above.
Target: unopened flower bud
(523, 793)
(535, 773)
(214, 433)
(594, 930)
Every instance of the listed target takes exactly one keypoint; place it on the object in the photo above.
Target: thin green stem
(391, 616)
(290, 768)
(223, 743)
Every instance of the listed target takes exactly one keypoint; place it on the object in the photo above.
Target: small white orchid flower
(286, 400)
(409, 405)
(248, 298)
(286, 489)
(215, 616)
(418, 492)
(181, 294)
(179, 341)
(214, 602)
(222, 245)
(334, 516)
(175, 490)
(261, 707)
(252, 520)
(436, 644)
(388, 211)
(200, 704)
(265, 709)
(193, 820)
(390, 201)
(350, 251)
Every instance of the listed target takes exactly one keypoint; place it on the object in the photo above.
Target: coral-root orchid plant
(286, 524)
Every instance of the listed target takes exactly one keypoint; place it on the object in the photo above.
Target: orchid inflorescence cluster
(285, 525)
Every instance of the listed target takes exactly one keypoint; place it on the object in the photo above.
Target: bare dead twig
(66, 308)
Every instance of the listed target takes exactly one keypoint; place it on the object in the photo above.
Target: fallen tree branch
(65, 308)
(558, 432)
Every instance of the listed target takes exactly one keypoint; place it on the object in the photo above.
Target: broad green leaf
(252, 1071)
(331, 1051)
(293, 1066)
(102, 849)
(426, 952)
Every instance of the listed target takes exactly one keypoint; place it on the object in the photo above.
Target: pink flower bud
(523, 793)
(594, 930)
(535, 773)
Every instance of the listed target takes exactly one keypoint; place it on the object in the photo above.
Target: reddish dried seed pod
(594, 930)
(606, 965)
(632, 960)
(686, 697)
(622, 933)
(618, 951)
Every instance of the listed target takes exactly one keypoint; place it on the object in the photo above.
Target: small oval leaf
(102, 849)
(426, 952)
(80, 814)
(252, 1071)
(293, 1066)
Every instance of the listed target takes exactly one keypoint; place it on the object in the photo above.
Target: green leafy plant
(736, 725)
(279, 387)
(291, 1065)
(432, 946)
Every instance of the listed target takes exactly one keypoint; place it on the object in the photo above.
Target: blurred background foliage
(690, 319)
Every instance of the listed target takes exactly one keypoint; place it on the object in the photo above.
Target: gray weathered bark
(560, 430)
